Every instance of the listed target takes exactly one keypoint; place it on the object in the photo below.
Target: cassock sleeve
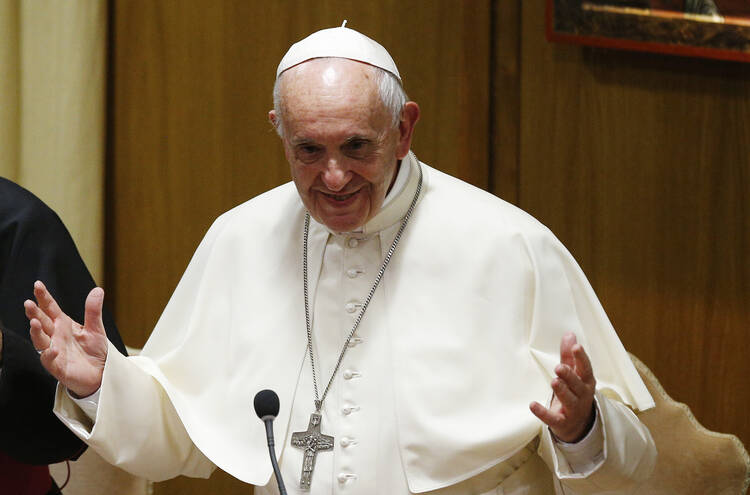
(565, 301)
(35, 245)
(137, 428)
(627, 458)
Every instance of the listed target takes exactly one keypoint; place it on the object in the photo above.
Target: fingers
(571, 380)
(47, 351)
(49, 360)
(578, 382)
(93, 312)
(564, 394)
(33, 312)
(566, 349)
(40, 339)
(546, 415)
(46, 302)
(583, 365)
(573, 355)
(574, 386)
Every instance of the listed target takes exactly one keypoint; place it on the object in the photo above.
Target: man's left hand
(571, 414)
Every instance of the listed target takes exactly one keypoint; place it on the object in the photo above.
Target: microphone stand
(268, 420)
(266, 405)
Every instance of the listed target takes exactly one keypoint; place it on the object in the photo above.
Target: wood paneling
(190, 90)
(641, 164)
(505, 98)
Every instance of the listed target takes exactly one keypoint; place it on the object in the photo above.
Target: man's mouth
(340, 197)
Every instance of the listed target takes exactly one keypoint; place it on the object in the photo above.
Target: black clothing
(35, 245)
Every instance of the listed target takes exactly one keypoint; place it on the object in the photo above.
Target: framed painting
(700, 28)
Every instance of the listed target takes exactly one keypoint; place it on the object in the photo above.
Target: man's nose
(336, 174)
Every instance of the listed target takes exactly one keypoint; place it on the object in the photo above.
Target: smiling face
(340, 141)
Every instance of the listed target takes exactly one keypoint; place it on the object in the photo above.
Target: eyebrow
(303, 142)
(306, 141)
(358, 138)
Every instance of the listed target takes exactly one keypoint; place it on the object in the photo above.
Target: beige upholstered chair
(692, 460)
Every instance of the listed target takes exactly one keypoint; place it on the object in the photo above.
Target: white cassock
(433, 392)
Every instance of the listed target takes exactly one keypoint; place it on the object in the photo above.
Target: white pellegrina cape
(478, 296)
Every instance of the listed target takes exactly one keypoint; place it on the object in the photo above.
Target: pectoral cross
(312, 442)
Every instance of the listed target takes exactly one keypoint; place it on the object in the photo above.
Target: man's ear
(409, 118)
(273, 118)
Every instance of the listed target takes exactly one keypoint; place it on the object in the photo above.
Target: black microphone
(266, 405)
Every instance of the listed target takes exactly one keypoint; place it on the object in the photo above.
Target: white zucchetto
(340, 42)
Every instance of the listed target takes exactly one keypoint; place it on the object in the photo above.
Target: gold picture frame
(633, 25)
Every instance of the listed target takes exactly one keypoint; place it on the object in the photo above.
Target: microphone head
(266, 404)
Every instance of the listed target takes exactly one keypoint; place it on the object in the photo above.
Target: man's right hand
(72, 353)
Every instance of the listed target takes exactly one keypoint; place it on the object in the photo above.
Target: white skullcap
(340, 42)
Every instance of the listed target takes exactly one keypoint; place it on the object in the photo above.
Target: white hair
(390, 91)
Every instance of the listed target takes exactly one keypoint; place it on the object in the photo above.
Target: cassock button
(344, 477)
(352, 273)
(346, 411)
(353, 242)
(350, 307)
(349, 374)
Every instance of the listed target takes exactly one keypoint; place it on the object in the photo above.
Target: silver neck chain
(319, 399)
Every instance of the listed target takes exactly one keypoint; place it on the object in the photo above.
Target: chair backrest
(692, 460)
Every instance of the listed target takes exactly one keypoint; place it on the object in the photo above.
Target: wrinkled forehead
(332, 99)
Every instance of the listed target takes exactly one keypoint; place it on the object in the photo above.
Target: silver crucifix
(312, 442)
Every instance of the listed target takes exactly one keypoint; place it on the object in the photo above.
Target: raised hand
(571, 414)
(72, 353)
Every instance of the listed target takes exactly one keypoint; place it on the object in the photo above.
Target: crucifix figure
(312, 442)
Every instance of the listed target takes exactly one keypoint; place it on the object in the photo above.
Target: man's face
(339, 140)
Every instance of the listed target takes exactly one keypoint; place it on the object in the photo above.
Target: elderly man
(407, 316)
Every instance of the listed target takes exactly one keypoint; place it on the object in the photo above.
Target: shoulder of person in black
(35, 245)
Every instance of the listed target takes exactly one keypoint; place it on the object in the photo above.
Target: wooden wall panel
(190, 90)
(641, 164)
(505, 99)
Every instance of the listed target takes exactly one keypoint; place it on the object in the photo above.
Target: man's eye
(357, 147)
(308, 152)
(309, 149)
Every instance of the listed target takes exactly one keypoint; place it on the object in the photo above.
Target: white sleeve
(587, 454)
(136, 428)
(627, 458)
(88, 405)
